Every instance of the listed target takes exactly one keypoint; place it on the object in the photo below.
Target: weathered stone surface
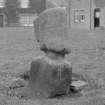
(51, 28)
(49, 78)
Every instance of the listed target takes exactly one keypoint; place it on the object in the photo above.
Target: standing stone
(51, 29)
(50, 75)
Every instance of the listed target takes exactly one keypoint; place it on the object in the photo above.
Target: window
(97, 14)
(24, 3)
(76, 16)
(2, 3)
(82, 18)
(27, 19)
(79, 16)
(76, 19)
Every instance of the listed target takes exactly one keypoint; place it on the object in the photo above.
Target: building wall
(103, 18)
(99, 3)
(14, 13)
(88, 6)
(61, 2)
(80, 9)
(12, 10)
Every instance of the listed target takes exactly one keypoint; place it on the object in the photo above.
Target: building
(61, 3)
(86, 14)
(20, 12)
(51, 4)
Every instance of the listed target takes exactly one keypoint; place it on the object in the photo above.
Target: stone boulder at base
(51, 29)
(49, 78)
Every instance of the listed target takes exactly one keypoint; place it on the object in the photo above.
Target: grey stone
(51, 29)
(100, 3)
(49, 78)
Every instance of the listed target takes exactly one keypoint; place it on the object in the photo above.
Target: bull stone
(49, 78)
(51, 29)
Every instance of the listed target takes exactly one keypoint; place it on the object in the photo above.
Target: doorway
(1, 20)
(96, 17)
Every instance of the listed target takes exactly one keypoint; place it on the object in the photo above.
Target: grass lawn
(18, 48)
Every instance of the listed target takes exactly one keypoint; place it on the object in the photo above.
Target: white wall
(80, 5)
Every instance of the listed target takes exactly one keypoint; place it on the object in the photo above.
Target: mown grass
(18, 48)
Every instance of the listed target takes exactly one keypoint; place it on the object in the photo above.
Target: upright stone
(51, 28)
(50, 75)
